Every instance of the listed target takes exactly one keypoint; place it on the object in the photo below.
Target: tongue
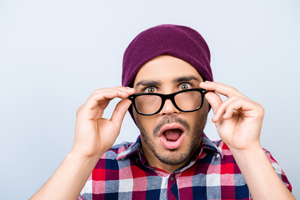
(173, 134)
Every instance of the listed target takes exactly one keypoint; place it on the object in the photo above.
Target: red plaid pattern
(123, 173)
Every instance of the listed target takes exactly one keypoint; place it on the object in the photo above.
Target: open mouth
(171, 136)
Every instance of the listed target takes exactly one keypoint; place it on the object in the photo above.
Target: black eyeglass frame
(164, 97)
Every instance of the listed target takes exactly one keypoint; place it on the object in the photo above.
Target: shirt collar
(135, 147)
(131, 150)
(208, 144)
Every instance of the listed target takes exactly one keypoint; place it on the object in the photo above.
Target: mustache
(171, 119)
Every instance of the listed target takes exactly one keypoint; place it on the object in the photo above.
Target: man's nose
(168, 108)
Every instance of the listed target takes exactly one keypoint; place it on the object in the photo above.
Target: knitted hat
(174, 40)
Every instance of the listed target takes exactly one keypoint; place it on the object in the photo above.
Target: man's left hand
(238, 119)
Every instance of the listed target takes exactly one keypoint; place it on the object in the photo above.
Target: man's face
(170, 137)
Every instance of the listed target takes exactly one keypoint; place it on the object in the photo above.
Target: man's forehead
(165, 66)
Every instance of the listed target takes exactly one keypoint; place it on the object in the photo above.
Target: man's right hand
(94, 135)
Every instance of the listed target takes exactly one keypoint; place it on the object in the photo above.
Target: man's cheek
(150, 124)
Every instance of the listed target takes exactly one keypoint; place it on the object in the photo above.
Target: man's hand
(94, 135)
(238, 119)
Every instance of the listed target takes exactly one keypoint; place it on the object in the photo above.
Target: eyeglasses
(188, 100)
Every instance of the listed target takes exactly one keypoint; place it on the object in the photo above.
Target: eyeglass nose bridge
(165, 97)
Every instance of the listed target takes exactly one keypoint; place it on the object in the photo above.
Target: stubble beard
(174, 156)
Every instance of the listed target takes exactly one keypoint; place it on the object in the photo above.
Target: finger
(223, 108)
(221, 89)
(234, 106)
(111, 94)
(214, 100)
(97, 102)
(119, 112)
(78, 110)
(119, 88)
(229, 112)
(242, 106)
(100, 100)
(96, 99)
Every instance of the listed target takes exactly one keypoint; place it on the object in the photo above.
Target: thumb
(214, 100)
(119, 112)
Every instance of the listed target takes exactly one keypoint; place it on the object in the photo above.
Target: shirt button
(172, 178)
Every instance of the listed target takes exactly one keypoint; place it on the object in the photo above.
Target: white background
(54, 54)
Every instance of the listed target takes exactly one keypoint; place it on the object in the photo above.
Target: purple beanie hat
(174, 40)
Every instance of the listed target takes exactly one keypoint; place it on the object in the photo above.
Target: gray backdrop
(54, 54)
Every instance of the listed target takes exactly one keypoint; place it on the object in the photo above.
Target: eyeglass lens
(186, 101)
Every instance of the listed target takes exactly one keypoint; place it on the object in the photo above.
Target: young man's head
(168, 59)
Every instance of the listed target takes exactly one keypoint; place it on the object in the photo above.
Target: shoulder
(111, 158)
(228, 158)
(106, 171)
(115, 150)
(224, 149)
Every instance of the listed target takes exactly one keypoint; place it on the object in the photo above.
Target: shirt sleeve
(278, 170)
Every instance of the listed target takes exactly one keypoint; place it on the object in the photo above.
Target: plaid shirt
(123, 173)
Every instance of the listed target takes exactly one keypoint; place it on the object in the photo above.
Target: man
(171, 92)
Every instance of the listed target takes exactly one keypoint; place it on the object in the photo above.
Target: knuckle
(78, 110)
(95, 92)
(98, 90)
(233, 89)
(101, 89)
(261, 109)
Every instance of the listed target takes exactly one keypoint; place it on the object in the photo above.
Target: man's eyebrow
(186, 79)
(148, 83)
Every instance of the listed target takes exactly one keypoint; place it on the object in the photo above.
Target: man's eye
(150, 90)
(184, 86)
